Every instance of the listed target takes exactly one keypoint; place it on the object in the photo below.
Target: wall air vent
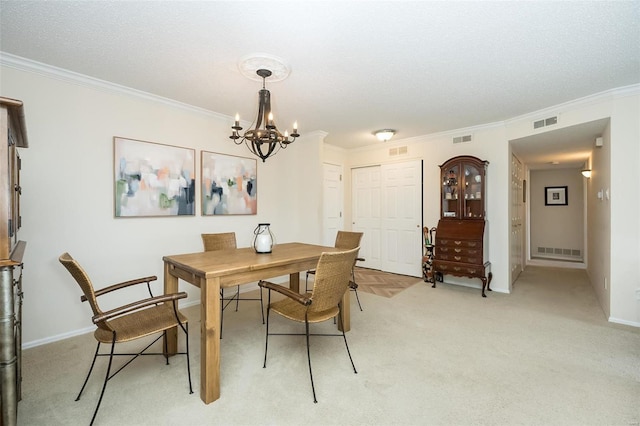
(545, 122)
(461, 139)
(401, 150)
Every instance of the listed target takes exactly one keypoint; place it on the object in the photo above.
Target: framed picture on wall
(555, 196)
(229, 184)
(153, 179)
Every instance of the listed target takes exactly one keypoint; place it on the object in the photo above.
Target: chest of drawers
(461, 250)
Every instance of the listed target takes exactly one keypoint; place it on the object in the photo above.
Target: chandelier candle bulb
(237, 123)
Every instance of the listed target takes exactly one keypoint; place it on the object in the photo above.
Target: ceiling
(420, 67)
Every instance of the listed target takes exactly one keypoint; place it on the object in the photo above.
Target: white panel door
(332, 203)
(365, 195)
(402, 218)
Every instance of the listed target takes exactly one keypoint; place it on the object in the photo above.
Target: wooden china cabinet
(461, 242)
(13, 136)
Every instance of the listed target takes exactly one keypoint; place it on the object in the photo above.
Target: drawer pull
(457, 258)
(444, 249)
(473, 251)
(457, 268)
(457, 242)
(444, 241)
(457, 250)
(470, 244)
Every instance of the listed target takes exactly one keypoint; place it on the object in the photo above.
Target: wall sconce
(586, 173)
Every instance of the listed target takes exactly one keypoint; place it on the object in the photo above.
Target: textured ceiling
(356, 66)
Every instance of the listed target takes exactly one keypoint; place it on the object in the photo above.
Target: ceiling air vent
(461, 139)
(545, 122)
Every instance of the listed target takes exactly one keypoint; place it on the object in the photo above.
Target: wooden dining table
(213, 270)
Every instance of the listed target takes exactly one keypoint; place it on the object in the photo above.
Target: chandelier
(265, 139)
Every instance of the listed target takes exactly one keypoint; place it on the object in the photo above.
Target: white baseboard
(624, 322)
(556, 264)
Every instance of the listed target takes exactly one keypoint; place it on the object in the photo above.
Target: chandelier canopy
(265, 139)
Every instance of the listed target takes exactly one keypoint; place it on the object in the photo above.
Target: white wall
(557, 226)
(599, 222)
(67, 197)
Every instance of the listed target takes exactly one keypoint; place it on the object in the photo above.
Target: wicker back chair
(135, 320)
(222, 241)
(333, 274)
(344, 240)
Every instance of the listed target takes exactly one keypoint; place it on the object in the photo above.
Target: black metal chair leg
(95, 355)
(344, 336)
(266, 340)
(261, 304)
(237, 297)
(106, 379)
(357, 299)
(186, 339)
(313, 389)
(166, 347)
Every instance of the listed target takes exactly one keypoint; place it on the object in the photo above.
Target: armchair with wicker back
(332, 279)
(132, 321)
(345, 240)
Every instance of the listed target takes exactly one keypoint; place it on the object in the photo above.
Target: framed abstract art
(152, 179)
(229, 184)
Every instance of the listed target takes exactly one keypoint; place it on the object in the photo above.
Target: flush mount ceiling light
(264, 140)
(586, 173)
(385, 134)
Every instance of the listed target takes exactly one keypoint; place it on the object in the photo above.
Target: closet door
(387, 208)
(402, 218)
(365, 196)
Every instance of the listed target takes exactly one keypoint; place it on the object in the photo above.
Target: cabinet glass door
(450, 189)
(473, 193)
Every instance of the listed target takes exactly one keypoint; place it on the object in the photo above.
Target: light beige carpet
(542, 355)
(383, 283)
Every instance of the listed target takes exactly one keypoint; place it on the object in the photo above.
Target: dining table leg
(294, 282)
(171, 335)
(210, 339)
(346, 311)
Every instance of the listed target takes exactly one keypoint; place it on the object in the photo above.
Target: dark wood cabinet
(13, 136)
(461, 246)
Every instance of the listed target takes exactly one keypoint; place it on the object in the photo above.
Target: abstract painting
(153, 179)
(229, 184)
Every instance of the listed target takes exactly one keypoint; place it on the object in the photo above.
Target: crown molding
(619, 92)
(50, 71)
